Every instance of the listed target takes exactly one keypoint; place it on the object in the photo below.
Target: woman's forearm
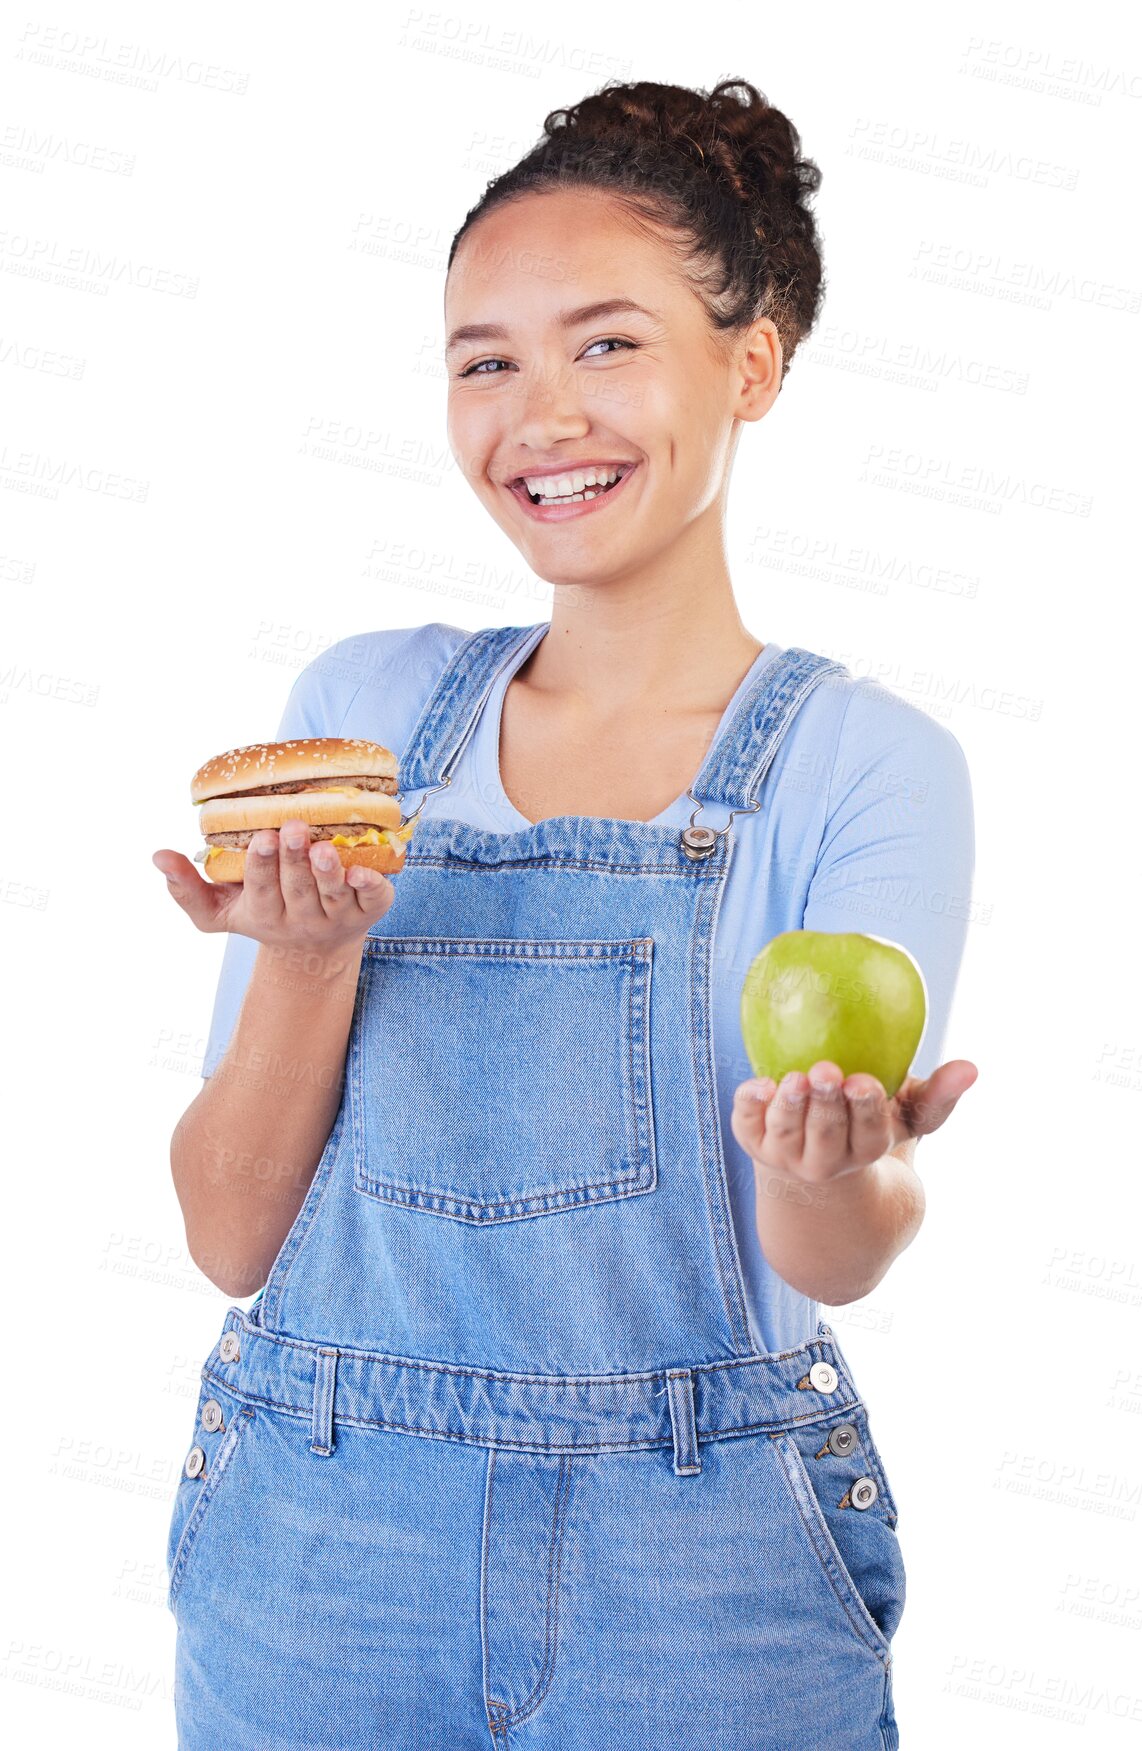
(246, 1149)
(835, 1240)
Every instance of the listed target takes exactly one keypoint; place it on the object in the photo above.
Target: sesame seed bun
(260, 764)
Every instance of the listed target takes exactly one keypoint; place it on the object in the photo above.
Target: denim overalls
(491, 1461)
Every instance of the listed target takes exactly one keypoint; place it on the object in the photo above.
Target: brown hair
(721, 171)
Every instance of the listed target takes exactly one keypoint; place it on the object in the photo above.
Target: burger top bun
(263, 763)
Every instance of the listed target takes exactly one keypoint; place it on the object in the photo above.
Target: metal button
(823, 1376)
(195, 1460)
(212, 1414)
(864, 1492)
(842, 1439)
(228, 1346)
(698, 841)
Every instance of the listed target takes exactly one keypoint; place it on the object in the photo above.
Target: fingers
(748, 1115)
(374, 892)
(306, 883)
(309, 895)
(816, 1126)
(353, 887)
(289, 880)
(768, 1122)
(262, 888)
(826, 1119)
(870, 1129)
(785, 1120)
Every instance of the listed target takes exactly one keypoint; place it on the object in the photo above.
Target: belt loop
(325, 1376)
(680, 1397)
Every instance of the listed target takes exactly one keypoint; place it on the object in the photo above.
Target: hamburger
(345, 788)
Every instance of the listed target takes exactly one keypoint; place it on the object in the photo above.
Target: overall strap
(740, 757)
(452, 709)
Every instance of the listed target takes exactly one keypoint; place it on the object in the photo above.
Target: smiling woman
(541, 1436)
(652, 368)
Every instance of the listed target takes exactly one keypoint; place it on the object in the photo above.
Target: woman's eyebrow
(565, 318)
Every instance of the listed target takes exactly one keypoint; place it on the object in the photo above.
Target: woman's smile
(580, 504)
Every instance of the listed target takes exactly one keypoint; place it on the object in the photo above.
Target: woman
(533, 1432)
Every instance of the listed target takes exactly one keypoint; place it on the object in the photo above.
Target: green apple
(859, 1001)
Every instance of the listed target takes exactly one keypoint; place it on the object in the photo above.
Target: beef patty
(239, 841)
(362, 782)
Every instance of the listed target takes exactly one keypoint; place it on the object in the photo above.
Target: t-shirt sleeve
(897, 855)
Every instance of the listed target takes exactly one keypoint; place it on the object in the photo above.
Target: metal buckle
(699, 842)
(406, 819)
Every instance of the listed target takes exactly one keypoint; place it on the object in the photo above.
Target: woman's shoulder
(391, 670)
(872, 724)
(861, 755)
(362, 656)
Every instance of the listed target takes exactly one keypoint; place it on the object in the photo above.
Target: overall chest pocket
(500, 1079)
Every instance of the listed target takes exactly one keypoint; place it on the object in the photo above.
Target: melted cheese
(375, 836)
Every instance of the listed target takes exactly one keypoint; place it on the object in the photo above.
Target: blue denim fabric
(493, 1459)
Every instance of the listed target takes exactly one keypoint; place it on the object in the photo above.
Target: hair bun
(732, 131)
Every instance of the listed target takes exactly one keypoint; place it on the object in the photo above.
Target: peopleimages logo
(97, 56)
(991, 274)
(953, 159)
(81, 267)
(1048, 72)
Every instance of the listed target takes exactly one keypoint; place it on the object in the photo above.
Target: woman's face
(562, 387)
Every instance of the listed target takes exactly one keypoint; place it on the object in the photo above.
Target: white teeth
(563, 486)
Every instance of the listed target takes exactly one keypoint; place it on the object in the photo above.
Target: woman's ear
(758, 362)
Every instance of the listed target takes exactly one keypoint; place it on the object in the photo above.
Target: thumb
(927, 1103)
(201, 900)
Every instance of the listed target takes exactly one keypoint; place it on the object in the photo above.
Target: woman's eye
(612, 341)
(477, 370)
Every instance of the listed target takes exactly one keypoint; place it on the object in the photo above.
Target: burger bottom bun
(229, 863)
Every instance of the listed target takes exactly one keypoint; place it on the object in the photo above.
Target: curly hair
(720, 172)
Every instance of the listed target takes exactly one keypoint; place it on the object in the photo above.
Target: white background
(223, 235)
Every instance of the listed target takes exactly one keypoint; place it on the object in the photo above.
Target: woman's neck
(606, 661)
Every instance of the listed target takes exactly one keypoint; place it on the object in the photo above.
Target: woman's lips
(560, 513)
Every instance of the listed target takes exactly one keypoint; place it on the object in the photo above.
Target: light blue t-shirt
(868, 825)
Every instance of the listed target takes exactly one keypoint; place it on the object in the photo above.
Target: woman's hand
(288, 898)
(849, 1123)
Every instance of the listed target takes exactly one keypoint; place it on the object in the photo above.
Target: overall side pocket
(221, 1421)
(841, 1500)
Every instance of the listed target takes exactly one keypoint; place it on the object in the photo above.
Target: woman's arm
(837, 1194)
(244, 1152)
(246, 1149)
(852, 1227)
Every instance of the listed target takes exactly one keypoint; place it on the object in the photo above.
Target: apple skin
(859, 1001)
